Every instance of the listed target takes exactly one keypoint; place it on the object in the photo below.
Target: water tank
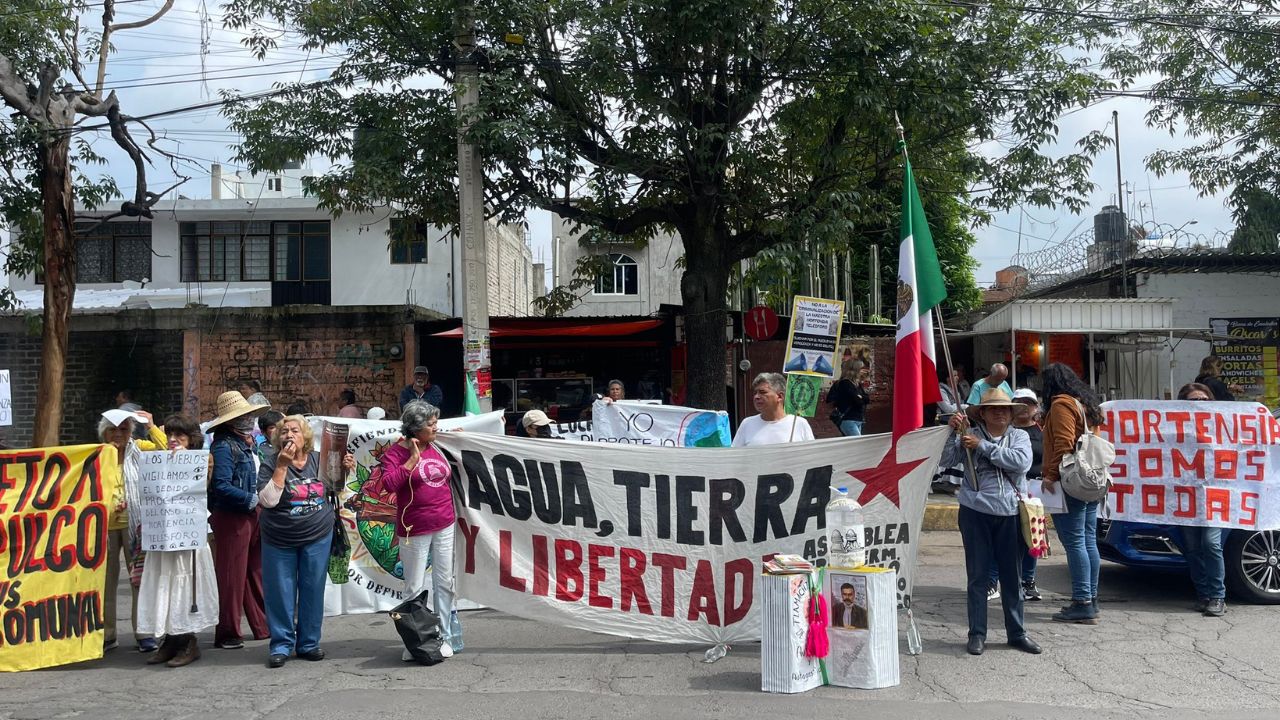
(1109, 226)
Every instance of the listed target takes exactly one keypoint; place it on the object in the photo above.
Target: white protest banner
(172, 486)
(814, 336)
(665, 543)
(644, 423)
(375, 579)
(1182, 462)
(6, 399)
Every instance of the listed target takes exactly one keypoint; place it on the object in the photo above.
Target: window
(255, 251)
(623, 280)
(112, 252)
(275, 184)
(408, 241)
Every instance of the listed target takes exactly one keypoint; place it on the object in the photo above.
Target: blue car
(1252, 556)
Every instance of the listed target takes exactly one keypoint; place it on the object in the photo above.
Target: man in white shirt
(773, 425)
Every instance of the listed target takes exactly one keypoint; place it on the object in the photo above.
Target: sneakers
(1079, 611)
(110, 645)
(147, 645)
(1215, 607)
(1030, 591)
(230, 644)
(993, 592)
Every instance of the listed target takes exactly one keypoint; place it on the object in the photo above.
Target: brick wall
(99, 363)
(309, 358)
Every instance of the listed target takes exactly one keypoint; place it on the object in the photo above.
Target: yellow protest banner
(54, 508)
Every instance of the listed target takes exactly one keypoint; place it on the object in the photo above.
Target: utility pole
(474, 281)
(1124, 222)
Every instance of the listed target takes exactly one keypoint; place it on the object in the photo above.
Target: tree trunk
(703, 289)
(59, 284)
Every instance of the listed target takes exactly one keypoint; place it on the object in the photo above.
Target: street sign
(760, 323)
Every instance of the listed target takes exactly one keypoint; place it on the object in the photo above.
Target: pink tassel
(817, 645)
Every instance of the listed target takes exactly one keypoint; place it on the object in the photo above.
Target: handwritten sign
(6, 400)
(1194, 463)
(172, 485)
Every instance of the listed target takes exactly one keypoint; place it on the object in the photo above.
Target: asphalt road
(1151, 657)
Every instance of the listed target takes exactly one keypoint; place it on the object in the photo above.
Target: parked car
(1252, 556)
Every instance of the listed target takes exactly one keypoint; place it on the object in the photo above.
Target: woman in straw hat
(233, 507)
(996, 458)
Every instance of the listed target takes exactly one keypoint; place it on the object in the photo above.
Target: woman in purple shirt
(418, 474)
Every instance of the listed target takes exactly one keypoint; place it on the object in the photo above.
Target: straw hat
(231, 405)
(995, 397)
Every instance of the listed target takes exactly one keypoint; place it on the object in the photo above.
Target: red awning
(508, 328)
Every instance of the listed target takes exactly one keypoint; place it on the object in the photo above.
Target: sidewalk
(940, 512)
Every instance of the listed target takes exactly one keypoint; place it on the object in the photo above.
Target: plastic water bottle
(845, 531)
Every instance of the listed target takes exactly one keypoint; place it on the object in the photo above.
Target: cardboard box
(864, 627)
(785, 603)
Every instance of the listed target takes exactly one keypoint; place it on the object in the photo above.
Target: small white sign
(6, 400)
(172, 485)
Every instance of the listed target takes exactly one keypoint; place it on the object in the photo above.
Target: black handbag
(419, 628)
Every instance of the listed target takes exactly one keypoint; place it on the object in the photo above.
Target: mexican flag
(920, 290)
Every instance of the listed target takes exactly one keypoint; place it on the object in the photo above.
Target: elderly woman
(178, 594)
(116, 428)
(996, 458)
(297, 528)
(233, 508)
(418, 474)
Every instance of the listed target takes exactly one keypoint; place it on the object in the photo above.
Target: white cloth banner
(644, 423)
(665, 543)
(1181, 462)
(174, 509)
(375, 580)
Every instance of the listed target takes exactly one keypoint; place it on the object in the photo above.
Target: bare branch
(14, 92)
(143, 23)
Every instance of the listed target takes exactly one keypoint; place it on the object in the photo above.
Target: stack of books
(787, 565)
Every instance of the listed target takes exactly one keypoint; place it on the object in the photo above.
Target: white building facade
(643, 277)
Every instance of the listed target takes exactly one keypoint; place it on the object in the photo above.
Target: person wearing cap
(996, 458)
(421, 389)
(116, 428)
(537, 425)
(233, 508)
(376, 413)
(416, 472)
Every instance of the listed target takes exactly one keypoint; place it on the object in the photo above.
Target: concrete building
(644, 277)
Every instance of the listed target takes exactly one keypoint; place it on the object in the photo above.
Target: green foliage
(1214, 61)
(752, 128)
(1258, 230)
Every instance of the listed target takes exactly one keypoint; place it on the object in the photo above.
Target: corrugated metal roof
(1070, 315)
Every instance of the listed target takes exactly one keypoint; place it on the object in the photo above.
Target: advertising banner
(1248, 349)
(54, 507)
(665, 544)
(1215, 464)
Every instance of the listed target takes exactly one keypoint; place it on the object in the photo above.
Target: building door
(302, 272)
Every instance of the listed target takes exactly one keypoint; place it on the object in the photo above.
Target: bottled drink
(845, 531)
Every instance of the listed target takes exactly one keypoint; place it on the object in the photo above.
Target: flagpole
(942, 328)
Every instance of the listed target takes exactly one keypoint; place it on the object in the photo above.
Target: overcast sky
(159, 68)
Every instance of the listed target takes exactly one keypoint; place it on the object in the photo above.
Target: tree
(43, 84)
(742, 125)
(1258, 230)
(1215, 64)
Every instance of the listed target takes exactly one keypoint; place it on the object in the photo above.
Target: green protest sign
(802, 394)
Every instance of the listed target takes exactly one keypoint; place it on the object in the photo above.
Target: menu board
(1248, 349)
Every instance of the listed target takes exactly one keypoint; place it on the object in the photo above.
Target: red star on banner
(883, 479)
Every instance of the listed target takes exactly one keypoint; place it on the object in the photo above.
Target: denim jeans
(984, 537)
(1204, 556)
(293, 585)
(1078, 533)
(851, 427)
(435, 550)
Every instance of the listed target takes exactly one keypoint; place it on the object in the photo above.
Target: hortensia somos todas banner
(1194, 463)
(666, 543)
(54, 507)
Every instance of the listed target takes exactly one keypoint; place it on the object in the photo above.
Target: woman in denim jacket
(233, 508)
(996, 457)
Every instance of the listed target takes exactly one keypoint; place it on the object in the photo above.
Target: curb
(941, 514)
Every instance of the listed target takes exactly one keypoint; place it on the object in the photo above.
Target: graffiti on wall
(314, 371)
